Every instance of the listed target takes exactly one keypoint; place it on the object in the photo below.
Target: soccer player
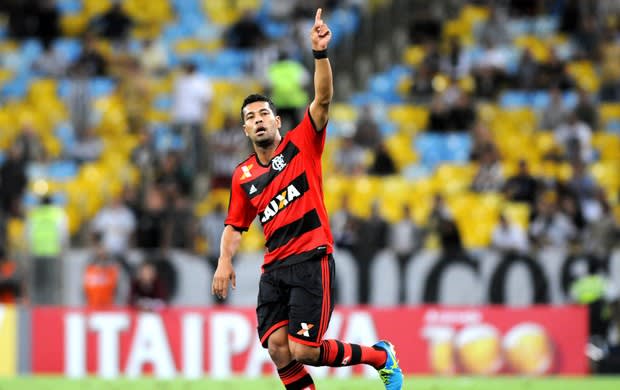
(282, 183)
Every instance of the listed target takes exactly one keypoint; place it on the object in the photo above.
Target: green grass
(415, 383)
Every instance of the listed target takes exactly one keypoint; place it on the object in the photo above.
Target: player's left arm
(323, 81)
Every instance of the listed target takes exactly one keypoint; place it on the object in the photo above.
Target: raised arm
(323, 82)
(231, 239)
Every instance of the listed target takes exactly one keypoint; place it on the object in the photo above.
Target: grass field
(414, 383)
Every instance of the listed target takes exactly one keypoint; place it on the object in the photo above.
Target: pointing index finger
(317, 18)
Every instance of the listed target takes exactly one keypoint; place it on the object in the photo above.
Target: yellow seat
(413, 55)
(73, 25)
(95, 7)
(608, 144)
(452, 178)
(409, 118)
(607, 174)
(16, 234)
(342, 112)
(401, 150)
(518, 213)
(609, 111)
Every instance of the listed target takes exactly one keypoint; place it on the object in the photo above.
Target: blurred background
(472, 159)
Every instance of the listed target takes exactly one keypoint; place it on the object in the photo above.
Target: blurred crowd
(158, 211)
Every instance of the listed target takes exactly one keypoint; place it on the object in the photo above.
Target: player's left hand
(320, 34)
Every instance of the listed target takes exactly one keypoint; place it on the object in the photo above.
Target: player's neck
(264, 154)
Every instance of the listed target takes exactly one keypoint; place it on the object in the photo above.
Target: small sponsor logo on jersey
(253, 189)
(246, 171)
(278, 162)
(305, 329)
(346, 360)
(279, 202)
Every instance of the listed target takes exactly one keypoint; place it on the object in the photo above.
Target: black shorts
(300, 296)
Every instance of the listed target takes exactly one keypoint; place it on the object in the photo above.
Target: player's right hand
(223, 274)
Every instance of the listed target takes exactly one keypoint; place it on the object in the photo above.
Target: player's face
(260, 125)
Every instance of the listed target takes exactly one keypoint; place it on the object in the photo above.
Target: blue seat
(69, 6)
(163, 102)
(275, 30)
(513, 99)
(68, 48)
(64, 132)
(1, 157)
(16, 88)
(62, 170)
(436, 148)
(102, 86)
(613, 126)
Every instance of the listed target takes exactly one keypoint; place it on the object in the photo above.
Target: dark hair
(255, 97)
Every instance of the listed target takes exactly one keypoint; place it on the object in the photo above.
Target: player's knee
(303, 353)
(278, 351)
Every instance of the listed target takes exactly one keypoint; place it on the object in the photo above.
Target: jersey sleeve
(307, 136)
(241, 212)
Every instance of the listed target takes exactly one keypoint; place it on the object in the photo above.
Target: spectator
(50, 63)
(227, 147)
(439, 212)
(490, 71)
(509, 237)
(48, 17)
(456, 64)
(367, 134)
(116, 224)
(88, 147)
(345, 226)
(571, 208)
(555, 113)
(550, 227)
(148, 292)
(495, 29)
(372, 238)
(575, 137)
(150, 221)
(144, 157)
(602, 234)
(588, 39)
(30, 144)
(489, 176)
(553, 73)
(180, 225)
(114, 24)
(586, 111)
(154, 58)
(450, 239)
(245, 33)
(12, 290)
(439, 116)
(191, 100)
(383, 163)
(462, 114)
(422, 87)
(91, 62)
(527, 72)
(134, 90)
(610, 68)
(212, 226)
(80, 100)
(13, 181)
(405, 239)
(172, 178)
(287, 80)
(349, 158)
(581, 184)
(522, 187)
(48, 235)
(101, 276)
(483, 141)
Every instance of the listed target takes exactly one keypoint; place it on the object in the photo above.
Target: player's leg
(311, 306)
(272, 314)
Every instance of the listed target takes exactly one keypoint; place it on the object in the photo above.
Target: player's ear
(278, 122)
(245, 131)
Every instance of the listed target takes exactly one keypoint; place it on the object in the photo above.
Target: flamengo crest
(278, 162)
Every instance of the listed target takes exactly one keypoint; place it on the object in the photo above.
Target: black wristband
(319, 54)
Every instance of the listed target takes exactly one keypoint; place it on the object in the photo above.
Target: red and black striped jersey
(287, 197)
